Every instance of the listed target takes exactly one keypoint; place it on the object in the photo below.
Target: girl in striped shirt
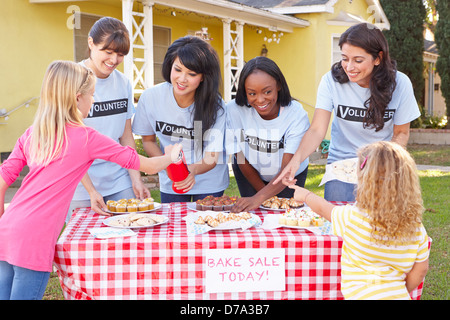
(385, 245)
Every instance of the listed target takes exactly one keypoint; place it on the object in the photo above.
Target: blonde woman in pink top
(59, 150)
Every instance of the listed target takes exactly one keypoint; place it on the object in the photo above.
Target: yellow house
(301, 36)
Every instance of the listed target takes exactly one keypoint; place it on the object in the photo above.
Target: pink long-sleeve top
(30, 226)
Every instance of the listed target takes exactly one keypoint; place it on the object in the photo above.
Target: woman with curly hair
(370, 101)
(385, 245)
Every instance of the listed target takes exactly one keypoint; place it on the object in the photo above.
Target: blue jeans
(124, 194)
(336, 190)
(247, 190)
(18, 283)
(169, 197)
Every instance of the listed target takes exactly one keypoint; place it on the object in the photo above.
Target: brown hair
(382, 83)
(113, 33)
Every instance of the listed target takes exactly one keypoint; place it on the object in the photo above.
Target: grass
(436, 219)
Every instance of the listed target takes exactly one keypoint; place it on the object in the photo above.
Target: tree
(442, 39)
(405, 39)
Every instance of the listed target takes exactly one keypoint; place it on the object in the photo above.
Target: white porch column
(127, 18)
(226, 60)
(148, 51)
(233, 45)
(240, 47)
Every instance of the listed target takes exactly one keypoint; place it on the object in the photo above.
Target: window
(335, 49)
(80, 36)
(161, 42)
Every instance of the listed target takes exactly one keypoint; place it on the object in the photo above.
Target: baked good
(317, 220)
(246, 215)
(199, 220)
(143, 206)
(111, 205)
(303, 221)
(294, 203)
(281, 203)
(217, 205)
(213, 223)
(207, 205)
(132, 207)
(223, 203)
(157, 218)
(199, 204)
(121, 207)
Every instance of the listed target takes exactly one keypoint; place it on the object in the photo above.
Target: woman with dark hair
(264, 127)
(111, 114)
(189, 109)
(370, 99)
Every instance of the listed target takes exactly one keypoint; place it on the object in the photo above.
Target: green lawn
(435, 191)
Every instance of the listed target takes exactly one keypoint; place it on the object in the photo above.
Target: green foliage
(405, 39)
(427, 121)
(442, 38)
(139, 148)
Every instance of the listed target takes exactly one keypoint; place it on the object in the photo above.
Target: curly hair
(388, 190)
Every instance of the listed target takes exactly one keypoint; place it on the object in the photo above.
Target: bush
(430, 122)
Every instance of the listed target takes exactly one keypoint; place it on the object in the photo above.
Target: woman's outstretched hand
(287, 175)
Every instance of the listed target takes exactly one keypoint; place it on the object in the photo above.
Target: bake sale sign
(245, 270)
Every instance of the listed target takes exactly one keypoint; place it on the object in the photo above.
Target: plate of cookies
(201, 222)
(123, 206)
(281, 204)
(135, 220)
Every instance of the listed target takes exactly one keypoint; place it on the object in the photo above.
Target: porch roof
(221, 9)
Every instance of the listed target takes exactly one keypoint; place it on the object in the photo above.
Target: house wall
(37, 34)
(439, 108)
(32, 36)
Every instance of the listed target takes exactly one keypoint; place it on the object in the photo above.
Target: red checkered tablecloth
(163, 262)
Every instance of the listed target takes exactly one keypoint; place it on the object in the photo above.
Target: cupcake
(282, 219)
(121, 207)
(133, 207)
(199, 205)
(207, 205)
(227, 204)
(111, 204)
(303, 221)
(143, 206)
(150, 203)
(317, 220)
(218, 205)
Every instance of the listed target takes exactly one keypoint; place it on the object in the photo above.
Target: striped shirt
(371, 271)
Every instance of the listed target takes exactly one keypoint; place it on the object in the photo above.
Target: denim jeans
(336, 190)
(247, 190)
(18, 283)
(124, 194)
(169, 197)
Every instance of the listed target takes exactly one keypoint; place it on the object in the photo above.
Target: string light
(275, 37)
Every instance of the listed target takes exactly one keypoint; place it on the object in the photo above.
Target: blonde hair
(58, 107)
(389, 192)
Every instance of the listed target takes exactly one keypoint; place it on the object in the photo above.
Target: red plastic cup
(178, 171)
